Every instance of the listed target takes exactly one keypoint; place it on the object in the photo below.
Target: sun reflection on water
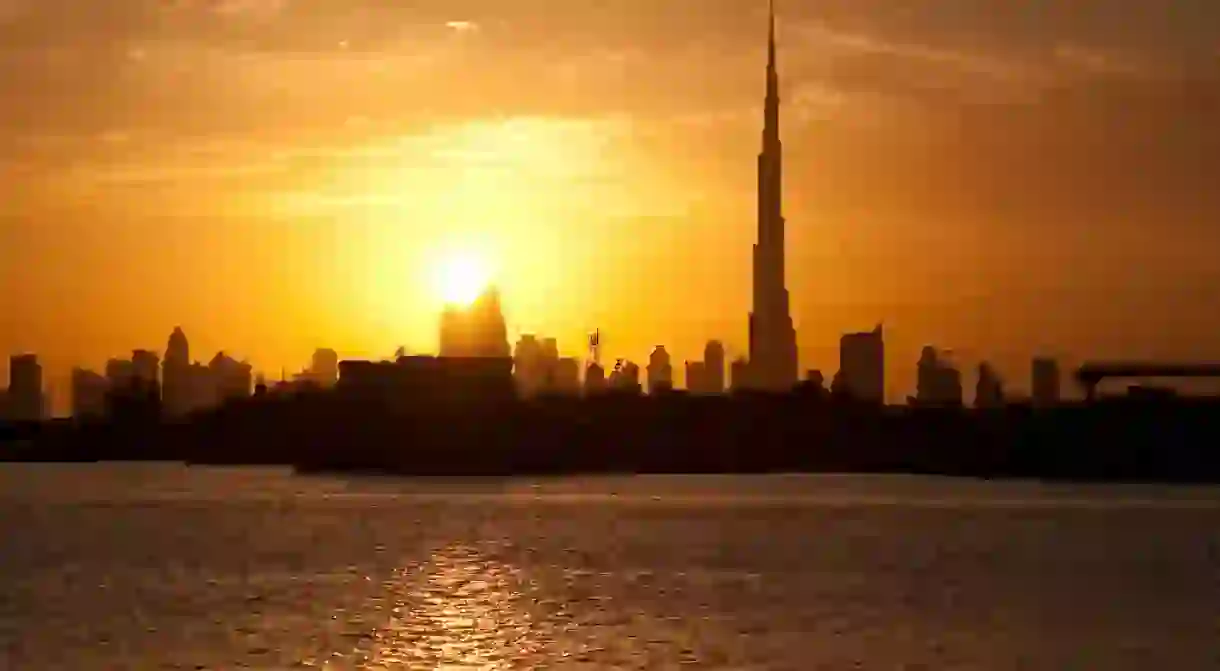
(461, 610)
(474, 606)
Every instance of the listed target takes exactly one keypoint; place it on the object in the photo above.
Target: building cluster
(475, 362)
(539, 370)
(322, 373)
(177, 385)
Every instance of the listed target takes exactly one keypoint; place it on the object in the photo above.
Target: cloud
(822, 41)
(248, 8)
(1101, 62)
(846, 66)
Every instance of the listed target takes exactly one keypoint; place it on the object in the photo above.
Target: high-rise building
(625, 377)
(989, 388)
(145, 365)
(550, 365)
(88, 394)
(595, 378)
(550, 348)
(938, 383)
(202, 388)
(862, 363)
(1045, 380)
(713, 367)
(231, 379)
(146, 386)
(629, 377)
(527, 365)
(178, 348)
(478, 330)
(660, 371)
(25, 398)
(176, 385)
(739, 375)
(324, 368)
(490, 327)
(697, 377)
(567, 376)
(773, 355)
(119, 375)
(454, 336)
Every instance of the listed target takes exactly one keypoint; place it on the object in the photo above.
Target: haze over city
(1008, 180)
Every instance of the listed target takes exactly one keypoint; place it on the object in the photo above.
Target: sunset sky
(1003, 178)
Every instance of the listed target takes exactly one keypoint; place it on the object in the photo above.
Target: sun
(461, 278)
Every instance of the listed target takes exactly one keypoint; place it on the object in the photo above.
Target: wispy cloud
(822, 41)
(1095, 61)
(249, 8)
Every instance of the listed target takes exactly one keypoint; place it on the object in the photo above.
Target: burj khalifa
(773, 357)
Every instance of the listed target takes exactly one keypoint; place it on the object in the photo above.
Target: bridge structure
(1090, 375)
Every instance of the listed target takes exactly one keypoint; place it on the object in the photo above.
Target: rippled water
(161, 567)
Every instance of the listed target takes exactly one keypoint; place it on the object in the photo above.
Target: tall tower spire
(771, 127)
(771, 69)
(773, 359)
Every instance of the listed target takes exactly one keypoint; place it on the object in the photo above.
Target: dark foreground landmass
(1172, 440)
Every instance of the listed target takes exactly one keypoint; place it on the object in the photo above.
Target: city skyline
(915, 198)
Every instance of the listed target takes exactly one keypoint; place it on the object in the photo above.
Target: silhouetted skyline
(1020, 179)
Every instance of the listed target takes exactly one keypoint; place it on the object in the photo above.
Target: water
(163, 567)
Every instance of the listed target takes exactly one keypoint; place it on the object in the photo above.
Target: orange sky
(277, 175)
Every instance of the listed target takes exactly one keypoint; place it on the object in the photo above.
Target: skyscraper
(231, 379)
(567, 376)
(324, 368)
(939, 383)
(713, 361)
(527, 365)
(145, 365)
(660, 371)
(739, 375)
(176, 385)
(88, 394)
(25, 399)
(1045, 378)
(989, 388)
(862, 364)
(550, 364)
(773, 358)
(477, 330)
(595, 378)
(696, 377)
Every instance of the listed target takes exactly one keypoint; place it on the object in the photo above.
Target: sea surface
(166, 567)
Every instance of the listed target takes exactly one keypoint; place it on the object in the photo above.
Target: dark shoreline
(1135, 441)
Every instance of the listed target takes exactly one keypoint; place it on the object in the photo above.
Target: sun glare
(460, 278)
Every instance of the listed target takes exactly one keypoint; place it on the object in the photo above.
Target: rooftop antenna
(595, 346)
